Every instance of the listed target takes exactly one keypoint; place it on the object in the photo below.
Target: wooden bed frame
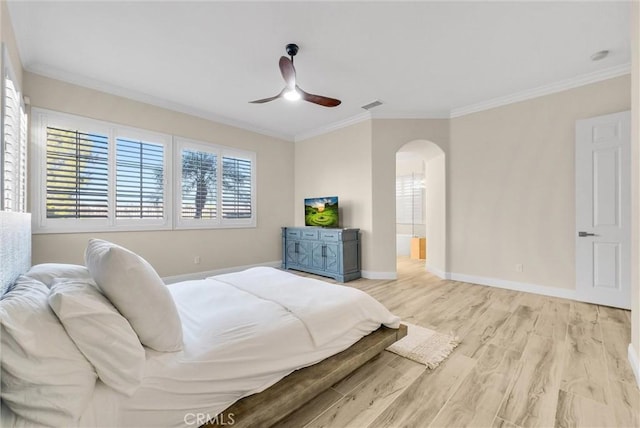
(280, 400)
(258, 410)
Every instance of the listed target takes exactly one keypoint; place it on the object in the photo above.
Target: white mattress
(238, 340)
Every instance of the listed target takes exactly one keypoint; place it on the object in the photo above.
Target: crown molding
(581, 80)
(150, 99)
(563, 85)
(408, 115)
(333, 126)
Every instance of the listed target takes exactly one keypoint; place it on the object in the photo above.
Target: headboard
(15, 247)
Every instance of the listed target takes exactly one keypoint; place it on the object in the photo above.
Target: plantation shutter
(199, 184)
(236, 188)
(410, 199)
(139, 179)
(22, 190)
(77, 174)
(14, 148)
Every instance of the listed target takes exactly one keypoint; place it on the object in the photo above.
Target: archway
(421, 201)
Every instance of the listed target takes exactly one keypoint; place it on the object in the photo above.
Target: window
(410, 199)
(216, 186)
(93, 176)
(77, 174)
(199, 184)
(98, 176)
(13, 147)
(139, 179)
(236, 188)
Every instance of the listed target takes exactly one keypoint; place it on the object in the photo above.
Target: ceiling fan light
(292, 95)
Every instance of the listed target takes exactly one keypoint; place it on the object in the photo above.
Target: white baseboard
(378, 275)
(563, 293)
(635, 363)
(438, 272)
(205, 274)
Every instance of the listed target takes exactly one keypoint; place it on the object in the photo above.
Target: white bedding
(327, 310)
(242, 333)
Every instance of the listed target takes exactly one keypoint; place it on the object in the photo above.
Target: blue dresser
(328, 252)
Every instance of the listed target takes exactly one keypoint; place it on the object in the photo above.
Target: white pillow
(136, 290)
(100, 332)
(47, 272)
(45, 378)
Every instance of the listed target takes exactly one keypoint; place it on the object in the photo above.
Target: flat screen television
(322, 212)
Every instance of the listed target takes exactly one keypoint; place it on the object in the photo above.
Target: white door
(603, 210)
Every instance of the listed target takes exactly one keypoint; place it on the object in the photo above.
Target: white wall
(403, 244)
(509, 183)
(173, 252)
(436, 215)
(389, 135)
(409, 162)
(339, 164)
(7, 37)
(429, 159)
(512, 190)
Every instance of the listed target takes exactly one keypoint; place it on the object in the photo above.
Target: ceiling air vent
(369, 106)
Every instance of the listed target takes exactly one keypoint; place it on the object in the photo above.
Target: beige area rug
(424, 346)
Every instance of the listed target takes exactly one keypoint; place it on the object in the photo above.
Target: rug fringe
(446, 351)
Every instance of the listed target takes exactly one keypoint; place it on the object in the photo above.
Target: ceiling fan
(292, 91)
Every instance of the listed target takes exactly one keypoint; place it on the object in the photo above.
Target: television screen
(321, 212)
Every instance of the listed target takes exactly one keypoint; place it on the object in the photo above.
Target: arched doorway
(421, 201)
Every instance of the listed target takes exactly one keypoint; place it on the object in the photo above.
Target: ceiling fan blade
(288, 71)
(318, 99)
(266, 100)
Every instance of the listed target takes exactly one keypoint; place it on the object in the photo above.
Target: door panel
(603, 210)
(291, 254)
(331, 257)
(606, 192)
(317, 256)
(304, 253)
(606, 265)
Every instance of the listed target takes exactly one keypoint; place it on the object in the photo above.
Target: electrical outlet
(519, 267)
(196, 260)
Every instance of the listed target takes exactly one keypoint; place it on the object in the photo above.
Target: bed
(253, 347)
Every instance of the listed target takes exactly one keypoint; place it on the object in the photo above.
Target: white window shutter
(236, 188)
(14, 146)
(410, 199)
(139, 179)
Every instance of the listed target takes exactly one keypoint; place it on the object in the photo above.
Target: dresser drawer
(327, 235)
(310, 234)
(293, 234)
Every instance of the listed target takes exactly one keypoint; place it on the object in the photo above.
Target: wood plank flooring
(525, 361)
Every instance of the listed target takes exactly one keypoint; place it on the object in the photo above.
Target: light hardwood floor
(525, 360)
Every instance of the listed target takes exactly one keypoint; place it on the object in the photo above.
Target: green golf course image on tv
(322, 212)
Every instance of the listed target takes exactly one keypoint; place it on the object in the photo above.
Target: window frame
(220, 151)
(43, 118)
(251, 157)
(166, 141)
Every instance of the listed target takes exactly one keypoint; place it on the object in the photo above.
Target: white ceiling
(422, 59)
